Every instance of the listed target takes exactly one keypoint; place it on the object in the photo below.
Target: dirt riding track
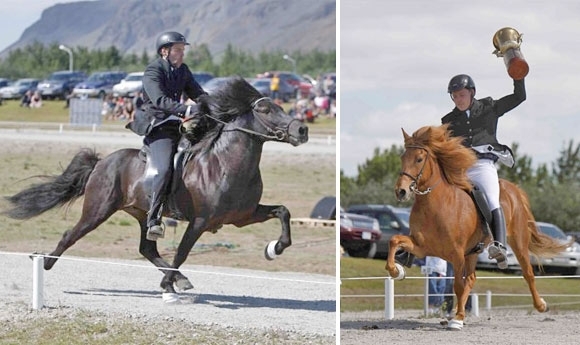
(238, 298)
(498, 327)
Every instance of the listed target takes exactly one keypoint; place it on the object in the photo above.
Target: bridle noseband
(277, 133)
(414, 185)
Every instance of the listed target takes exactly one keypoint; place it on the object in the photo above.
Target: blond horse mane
(453, 158)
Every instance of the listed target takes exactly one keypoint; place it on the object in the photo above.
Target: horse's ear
(405, 135)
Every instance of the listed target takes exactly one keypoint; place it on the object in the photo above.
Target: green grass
(355, 267)
(55, 111)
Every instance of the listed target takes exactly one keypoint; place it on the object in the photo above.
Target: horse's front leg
(265, 212)
(406, 243)
(148, 249)
(194, 230)
(462, 288)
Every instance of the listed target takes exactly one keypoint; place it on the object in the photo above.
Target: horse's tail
(59, 190)
(540, 244)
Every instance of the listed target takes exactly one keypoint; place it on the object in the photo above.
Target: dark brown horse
(444, 220)
(220, 184)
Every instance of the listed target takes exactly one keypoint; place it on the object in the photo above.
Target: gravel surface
(497, 327)
(242, 299)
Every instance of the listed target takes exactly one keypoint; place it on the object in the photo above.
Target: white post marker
(426, 270)
(389, 298)
(37, 282)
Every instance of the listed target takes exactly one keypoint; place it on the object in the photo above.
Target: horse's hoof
(183, 284)
(545, 307)
(171, 298)
(401, 270)
(270, 251)
(455, 325)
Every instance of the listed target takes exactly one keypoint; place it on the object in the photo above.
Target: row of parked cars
(62, 84)
(365, 231)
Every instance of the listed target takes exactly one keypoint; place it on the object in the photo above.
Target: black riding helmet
(169, 38)
(461, 81)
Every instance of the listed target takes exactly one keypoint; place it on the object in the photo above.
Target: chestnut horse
(444, 219)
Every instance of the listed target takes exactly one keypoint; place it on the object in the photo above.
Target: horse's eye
(420, 160)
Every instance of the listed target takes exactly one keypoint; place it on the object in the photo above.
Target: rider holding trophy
(475, 120)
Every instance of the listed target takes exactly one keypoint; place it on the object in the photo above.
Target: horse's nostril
(303, 130)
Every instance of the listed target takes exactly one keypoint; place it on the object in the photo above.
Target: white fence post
(488, 300)
(475, 304)
(426, 270)
(37, 282)
(389, 298)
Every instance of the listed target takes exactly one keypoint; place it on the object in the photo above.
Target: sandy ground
(496, 327)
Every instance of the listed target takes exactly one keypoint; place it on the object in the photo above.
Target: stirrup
(156, 232)
(497, 251)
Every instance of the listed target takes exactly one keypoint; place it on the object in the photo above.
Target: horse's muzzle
(297, 133)
(402, 194)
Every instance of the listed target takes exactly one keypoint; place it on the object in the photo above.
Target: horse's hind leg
(98, 206)
(519, 243)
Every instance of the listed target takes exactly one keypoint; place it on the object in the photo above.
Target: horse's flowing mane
(453, 158)
(232, 99)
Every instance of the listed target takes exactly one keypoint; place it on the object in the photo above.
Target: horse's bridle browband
(278, 133)
(414, 185)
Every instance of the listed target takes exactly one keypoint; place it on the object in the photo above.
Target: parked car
(301, 85)
(98, 84)
(286, 92)
(4, 82)
(129, 86)
(18, 88)
(60, 84)
(567, 262)
(359, 234)
(202, 77)
(392, 221)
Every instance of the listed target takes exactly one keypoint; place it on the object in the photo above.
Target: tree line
(38, 61)
(553, 190)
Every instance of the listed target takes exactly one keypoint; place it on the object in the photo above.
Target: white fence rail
(389, 295)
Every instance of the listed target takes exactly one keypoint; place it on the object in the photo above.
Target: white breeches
(484, 175)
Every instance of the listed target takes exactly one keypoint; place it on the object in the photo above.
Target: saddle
(180, 159)
(485, 217)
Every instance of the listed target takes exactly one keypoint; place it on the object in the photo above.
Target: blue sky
(17, 15)
(397, 57)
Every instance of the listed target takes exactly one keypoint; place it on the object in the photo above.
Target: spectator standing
(436, 286)
(275, 86)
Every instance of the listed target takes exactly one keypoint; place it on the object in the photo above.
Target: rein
(277, 133)
(414, 185)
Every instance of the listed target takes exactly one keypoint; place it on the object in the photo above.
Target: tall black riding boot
(496, 249)
(155, 229)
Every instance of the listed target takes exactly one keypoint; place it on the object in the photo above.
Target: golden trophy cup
(507, 43)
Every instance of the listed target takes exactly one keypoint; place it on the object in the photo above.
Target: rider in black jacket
(164, 81)
(476, 121)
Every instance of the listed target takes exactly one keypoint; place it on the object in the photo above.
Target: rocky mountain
(133, 25)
